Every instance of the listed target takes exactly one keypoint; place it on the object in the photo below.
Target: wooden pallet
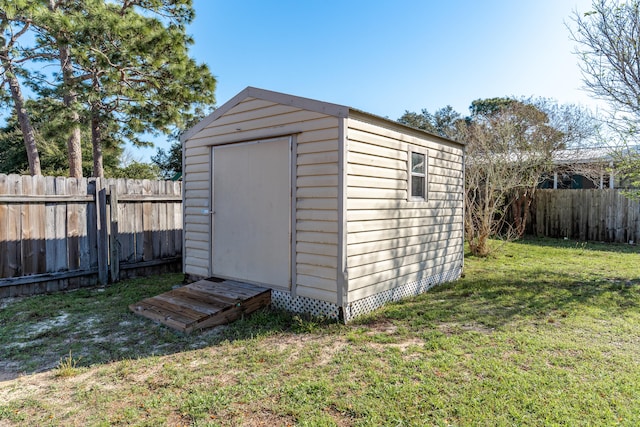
(203, 304)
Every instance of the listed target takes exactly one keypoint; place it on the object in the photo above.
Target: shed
(337, 211)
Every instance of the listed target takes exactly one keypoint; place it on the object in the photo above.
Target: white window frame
(418, 150)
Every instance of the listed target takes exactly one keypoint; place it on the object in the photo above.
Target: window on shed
(417, 174)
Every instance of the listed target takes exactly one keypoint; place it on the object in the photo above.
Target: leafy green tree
(423, 120)
(137, 170)
(51, 143)
(169, 163)
(443, 122)
(13, 156)
(490, 106)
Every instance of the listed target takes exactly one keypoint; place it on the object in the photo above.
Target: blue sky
(386, 57)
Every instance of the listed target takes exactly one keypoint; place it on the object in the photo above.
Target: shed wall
(391, 241)
(316, 187)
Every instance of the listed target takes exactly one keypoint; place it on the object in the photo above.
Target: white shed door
(252, 212)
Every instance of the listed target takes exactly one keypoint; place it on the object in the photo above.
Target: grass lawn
(545, 332)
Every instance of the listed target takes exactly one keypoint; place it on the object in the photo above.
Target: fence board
(147, 226)
(60, 231)
(102, 231)
(177, 215)
(155, 224)
(171, 224)
(4, 217)
(83, 232)
(162, 223)
(14, 227)
(49, 226)
(92, 225)
(596, 215)
(114, 243)
(138, 223)
(29, 258)
(126, 224)
(73, 254)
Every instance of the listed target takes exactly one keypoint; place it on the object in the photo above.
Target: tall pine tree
(14, 24)
(124, 68)
(132, 72)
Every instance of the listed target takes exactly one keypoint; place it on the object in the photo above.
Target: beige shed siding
(390, 241)
(316, 187)
(317, 212)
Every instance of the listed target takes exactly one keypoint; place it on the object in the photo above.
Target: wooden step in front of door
(203, 304)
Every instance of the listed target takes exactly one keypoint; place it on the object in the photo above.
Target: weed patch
(67, 367)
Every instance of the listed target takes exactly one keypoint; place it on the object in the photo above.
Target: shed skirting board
(283, 299)
(411, 289)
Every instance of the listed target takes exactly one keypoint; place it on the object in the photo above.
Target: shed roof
(327, 108)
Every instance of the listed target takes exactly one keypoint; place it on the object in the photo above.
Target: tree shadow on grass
(94, 326)
(532, 297)
(579, 245)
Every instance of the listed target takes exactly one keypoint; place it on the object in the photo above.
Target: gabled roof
(268, 95)
(327, 108)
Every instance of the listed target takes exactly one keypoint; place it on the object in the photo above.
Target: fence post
(102, 237)
(114, 255)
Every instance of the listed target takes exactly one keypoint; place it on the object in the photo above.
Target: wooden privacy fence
(596, 215)
(61, 233)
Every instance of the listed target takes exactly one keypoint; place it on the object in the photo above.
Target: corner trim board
(293, 173)
(342, 282)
